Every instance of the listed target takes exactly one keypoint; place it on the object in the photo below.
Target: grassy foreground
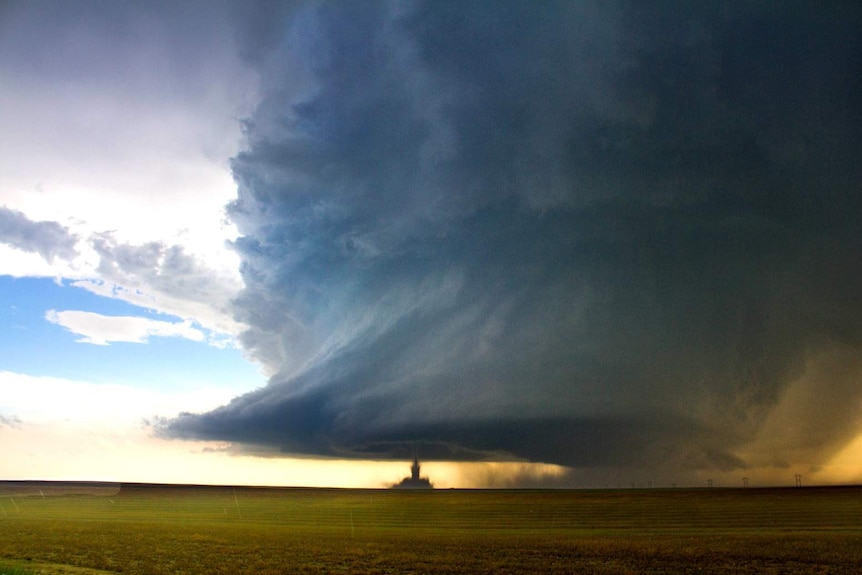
(169, 529)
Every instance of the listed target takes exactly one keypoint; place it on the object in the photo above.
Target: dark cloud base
(592, 235)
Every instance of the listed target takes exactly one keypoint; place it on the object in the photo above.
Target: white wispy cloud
(103, 329)
(156, 275)
(166, 278)
(48, 239)
(9, 421)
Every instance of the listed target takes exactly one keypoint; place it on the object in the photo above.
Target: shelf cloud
(598, 235)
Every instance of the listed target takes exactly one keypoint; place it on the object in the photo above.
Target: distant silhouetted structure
(414, 481)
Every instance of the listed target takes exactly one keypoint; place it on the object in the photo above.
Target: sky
(558, 244)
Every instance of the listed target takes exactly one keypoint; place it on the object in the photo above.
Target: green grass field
(165, 529)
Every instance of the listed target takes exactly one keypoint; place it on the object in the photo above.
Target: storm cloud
(592, 234)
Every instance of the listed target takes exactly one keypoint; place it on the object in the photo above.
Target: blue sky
(539, 245)
(27, 338)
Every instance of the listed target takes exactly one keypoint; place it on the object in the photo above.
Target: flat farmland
(148, 529)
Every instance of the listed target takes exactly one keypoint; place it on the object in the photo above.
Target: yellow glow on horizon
(51, 451)
(846, 465)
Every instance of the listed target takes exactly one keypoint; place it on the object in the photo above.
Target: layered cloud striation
(590, 234)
